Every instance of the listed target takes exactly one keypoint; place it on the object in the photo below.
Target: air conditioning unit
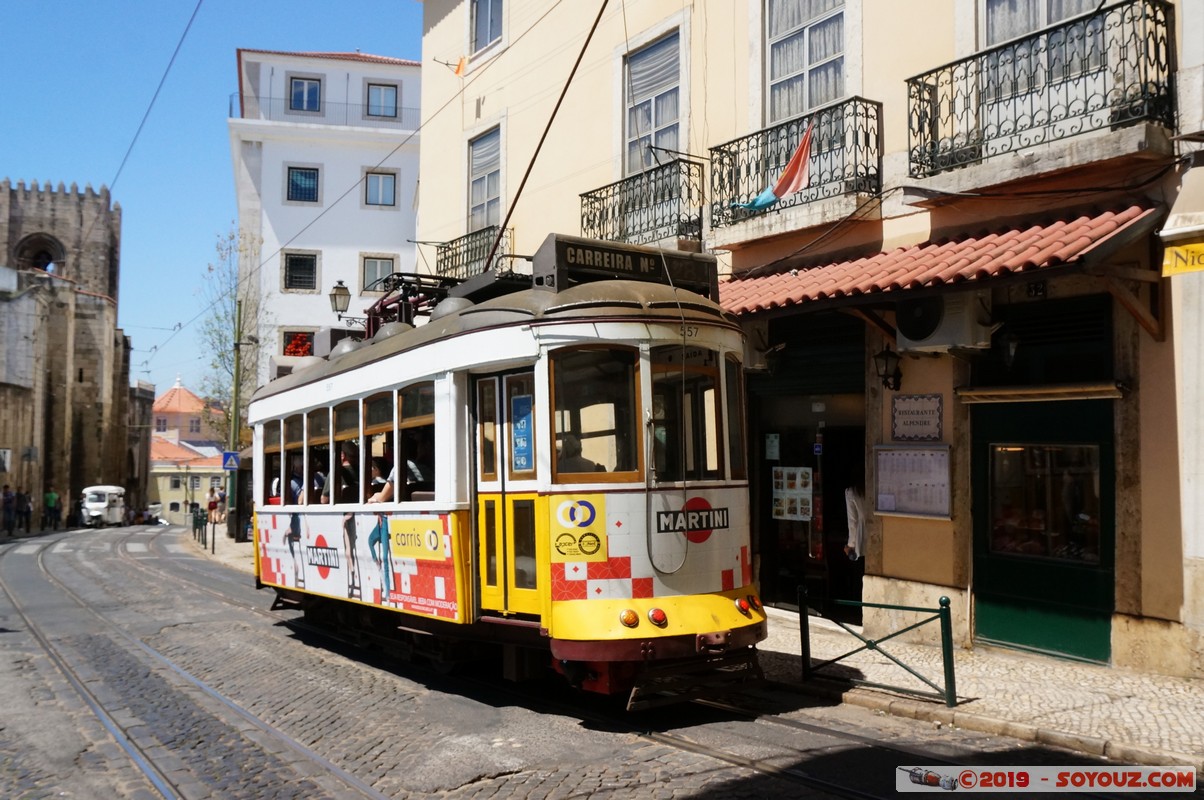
(940, 323)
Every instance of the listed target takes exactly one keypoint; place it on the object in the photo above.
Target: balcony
(1096, 72)
(277, 109)
(846, 158)
(662, 203)
(464, 258)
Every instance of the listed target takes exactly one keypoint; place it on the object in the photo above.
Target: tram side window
(344, 481)
(596, 415)
(271, 461)
(317, 445)
(293, 486)
(378, 444)
(487, 424)
(686, 414)
(416, 421)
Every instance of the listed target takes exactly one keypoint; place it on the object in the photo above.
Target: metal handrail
(277, 109)
(1098, 71)
(662, 202)
(948, 693)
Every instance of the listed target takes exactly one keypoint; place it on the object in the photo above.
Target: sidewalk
(1131, 718)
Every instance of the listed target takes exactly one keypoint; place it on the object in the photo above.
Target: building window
(382, 100)
(305, 94)
(301, 271)
(194, 425)
(486, 23)
(160, 424)
(1030, 62)
(215, 482)
(652, 86)
(376, 269)
(298, 343)
(195, 483)
(176, 482)
(303, 184)
(804, 55)
(380, 189)
(485, 178)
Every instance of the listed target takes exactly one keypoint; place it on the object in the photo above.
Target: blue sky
(79, 76)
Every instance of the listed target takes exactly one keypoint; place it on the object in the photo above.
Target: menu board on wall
(792, 493)
(913, 481)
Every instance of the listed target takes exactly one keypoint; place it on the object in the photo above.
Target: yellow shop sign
(1182, 258)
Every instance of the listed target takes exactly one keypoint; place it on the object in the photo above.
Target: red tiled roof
(177, 399)
(1062, 243)
(165, 450)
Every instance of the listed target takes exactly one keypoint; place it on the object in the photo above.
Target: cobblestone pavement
(1128, 717)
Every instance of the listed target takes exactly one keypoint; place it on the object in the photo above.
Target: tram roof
(457, 316)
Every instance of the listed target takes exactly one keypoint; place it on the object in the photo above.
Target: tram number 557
(689, 331)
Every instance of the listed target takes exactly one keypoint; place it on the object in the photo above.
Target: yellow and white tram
(558, 469)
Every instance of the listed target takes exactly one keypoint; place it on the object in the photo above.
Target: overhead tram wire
(531, 164)
(255, 270)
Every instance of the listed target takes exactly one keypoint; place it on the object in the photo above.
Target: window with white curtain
(653, 86)
(1061, 55)
(804, 55)
(484, 180)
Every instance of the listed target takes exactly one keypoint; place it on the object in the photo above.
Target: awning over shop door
(1082, 241)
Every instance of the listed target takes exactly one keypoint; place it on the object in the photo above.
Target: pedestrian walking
(52, 506)
(8, 505)
(24, 509)
(211, 505)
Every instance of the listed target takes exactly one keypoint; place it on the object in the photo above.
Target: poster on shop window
(792, 493)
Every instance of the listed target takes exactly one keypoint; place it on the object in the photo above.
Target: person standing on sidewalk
(8, 504)
(24, 509)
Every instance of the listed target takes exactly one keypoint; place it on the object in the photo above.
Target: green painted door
(1044, 526)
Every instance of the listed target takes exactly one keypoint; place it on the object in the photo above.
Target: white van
(103, 505)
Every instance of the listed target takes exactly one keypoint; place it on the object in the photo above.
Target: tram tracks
(135, 737)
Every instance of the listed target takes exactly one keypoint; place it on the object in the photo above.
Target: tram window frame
(346, 421)
(735, 416)
(379, 424)
(701, 419)
(294, 455)
(416, 433)
(317, 451)
(487, 428)
(621, 459)
(273, 460)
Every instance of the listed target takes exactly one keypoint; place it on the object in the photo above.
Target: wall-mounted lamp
(887, 364)
(340, 298)
(1008, 344)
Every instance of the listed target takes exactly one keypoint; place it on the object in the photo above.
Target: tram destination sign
(564, 261)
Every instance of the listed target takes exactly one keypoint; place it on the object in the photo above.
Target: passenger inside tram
(571, 460)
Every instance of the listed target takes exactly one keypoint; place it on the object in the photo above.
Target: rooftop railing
(362, 115)
(846, 157)
(664, 202)
(1098, 71)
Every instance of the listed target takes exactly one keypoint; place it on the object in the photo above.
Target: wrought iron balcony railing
(358, 115)
(1099, 71)
(664, 202)
(464, 258)
(846, 157)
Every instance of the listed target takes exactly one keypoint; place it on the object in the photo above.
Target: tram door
(507, 494)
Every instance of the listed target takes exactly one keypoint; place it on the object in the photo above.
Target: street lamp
(234, 421)
(887, 365)
(340, 299)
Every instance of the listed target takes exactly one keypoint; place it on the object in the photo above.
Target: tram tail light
(658, 617)
(754, 602)
(629, 618)
(743, 606)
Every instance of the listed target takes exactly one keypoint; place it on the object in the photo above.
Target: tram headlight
(658, 617)
(743, 606)
(629, 618)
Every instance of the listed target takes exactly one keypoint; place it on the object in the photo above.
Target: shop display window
(1045, 501)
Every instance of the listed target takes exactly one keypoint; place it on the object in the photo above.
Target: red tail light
(754, 602)
(658, 617)
(742, 606)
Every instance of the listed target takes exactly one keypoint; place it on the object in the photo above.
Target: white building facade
(325, 154)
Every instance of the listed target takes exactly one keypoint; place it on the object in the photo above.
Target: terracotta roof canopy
(1079, 241)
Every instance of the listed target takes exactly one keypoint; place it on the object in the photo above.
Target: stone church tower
(71, 417)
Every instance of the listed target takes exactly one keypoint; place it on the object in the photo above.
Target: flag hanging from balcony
(794, 177)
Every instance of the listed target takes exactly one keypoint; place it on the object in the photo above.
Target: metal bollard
(947, 651)
(804, 632)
